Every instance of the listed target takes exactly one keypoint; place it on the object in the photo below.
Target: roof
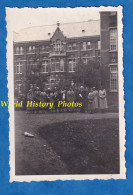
(70, 30)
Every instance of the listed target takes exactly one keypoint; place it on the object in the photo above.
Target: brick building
(109, 53)
(51, 53)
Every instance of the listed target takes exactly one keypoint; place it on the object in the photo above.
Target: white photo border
(122, 132)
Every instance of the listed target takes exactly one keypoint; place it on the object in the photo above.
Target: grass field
(67, 147)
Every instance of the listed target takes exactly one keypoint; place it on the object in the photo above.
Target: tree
(88, 74)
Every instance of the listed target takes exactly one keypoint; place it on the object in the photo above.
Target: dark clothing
(84, 100)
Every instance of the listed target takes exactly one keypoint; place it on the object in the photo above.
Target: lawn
(86, 146)
(66, 144)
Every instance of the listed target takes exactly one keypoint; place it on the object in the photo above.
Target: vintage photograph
(66, 93)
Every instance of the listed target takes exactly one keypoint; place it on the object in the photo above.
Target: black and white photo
(66, 93)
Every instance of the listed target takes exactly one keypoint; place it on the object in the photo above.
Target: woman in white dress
(102, 99)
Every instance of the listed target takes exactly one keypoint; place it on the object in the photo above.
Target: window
(86, 45)
(52, 66)
(54, 46)
(62, 46)
(113, 39)
(72, 65)
(98, 45)
(19, 50)
(58, 45)
(45, 66)
(47, 48)
(86, 58)
(19, 66)
(74, 46)
(43, 48)
(57, 65)
(62, 65)
(113, 78)
(31, 49)
(69, 47)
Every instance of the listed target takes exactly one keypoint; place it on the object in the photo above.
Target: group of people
(92, 99)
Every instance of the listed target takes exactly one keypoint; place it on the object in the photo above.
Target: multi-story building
(51, 53)
(109, 54)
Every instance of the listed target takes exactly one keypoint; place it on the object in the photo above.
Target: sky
(26, 17)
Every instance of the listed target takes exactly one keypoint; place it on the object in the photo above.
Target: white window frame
(88, 44)
(31, 49)
(58, 46)
(113, 39)
(63, 65)
(18, 67)
(112, 89)
(45, 66)
(85, 45)
(73, 64)
(56, 65)
(52, 62)
(19, 50)
(98, 45)
(74, 45)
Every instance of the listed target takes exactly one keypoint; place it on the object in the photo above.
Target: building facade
(54, 57)
(50, 54)
(109, 53)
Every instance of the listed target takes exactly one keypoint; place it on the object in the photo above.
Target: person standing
(102, 100)
(95, 101)
(86, 98)
(55, 97)
(30, 97)
(91, 96)
(59, 98)
(70, 98)
(77, 98)
(37, 98)
(48, 98)
(83, 97)
(52, 100)
(64, 98)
